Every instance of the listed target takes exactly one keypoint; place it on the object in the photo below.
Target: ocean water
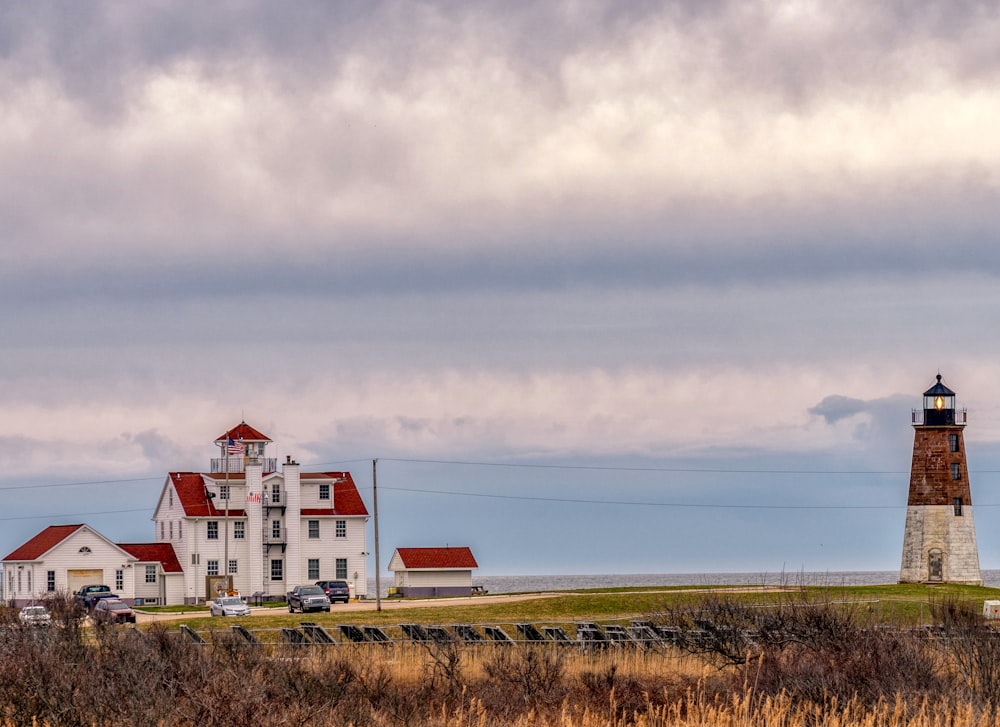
(541, 584)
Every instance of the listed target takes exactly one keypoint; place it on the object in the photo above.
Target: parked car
(85, 596)
(113, 610)
(229, 606)
(307, 598)
(96, 598)
(35, 616)
(336, 590)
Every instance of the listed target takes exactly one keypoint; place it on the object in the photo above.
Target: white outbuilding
(423, 572)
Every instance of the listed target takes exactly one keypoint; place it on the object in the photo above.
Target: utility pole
(378, 568)
(225, 545)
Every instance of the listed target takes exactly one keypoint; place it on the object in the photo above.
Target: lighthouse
(939, 543)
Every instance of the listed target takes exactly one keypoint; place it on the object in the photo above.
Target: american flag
(234, 447)
(253, 497)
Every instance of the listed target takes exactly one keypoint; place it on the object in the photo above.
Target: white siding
(328, 548)
(439, 578)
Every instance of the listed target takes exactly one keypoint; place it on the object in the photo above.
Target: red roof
(346, 498)
(245, 432)
(154, 552)
(43, 542)
(437, 558)
(194, 498)
(191, 490)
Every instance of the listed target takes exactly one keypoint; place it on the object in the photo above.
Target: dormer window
(84, 550)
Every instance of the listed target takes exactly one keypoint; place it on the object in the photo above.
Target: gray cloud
(504, 230)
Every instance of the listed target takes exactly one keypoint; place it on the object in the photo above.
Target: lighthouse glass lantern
(939, 404)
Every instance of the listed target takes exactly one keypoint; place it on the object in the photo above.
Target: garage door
(80, 577)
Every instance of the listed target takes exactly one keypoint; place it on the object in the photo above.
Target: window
(276, 494)
(50, 581)
(170, 497)
(324, 492)
(233, 569)
(213, 529)
(341, 568)
(277, 570)
(239, 530)
(953, 442)
(313, 569)
(212, 567)
(313, 529)
(341, 528)
(161, 530)
(223, 492)
(276, 529)
(119, 580)
(150, 574)
(956, 471)
(180, 529)
(195, 558)
(29, 581)
(957, 502)
(171, 529)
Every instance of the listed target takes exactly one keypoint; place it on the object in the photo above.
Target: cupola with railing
(240, 446)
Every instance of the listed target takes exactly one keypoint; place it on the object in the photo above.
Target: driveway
(388, 604)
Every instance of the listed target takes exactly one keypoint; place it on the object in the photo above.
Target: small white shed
(423, 572)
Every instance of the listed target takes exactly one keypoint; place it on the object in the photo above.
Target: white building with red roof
(425, 572)
(265, 528)
(245, 525)
(62, 558)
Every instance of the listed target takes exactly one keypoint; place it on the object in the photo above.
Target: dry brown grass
(825, 669)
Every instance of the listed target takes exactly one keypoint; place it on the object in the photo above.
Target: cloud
(835, 407)
(579, 230)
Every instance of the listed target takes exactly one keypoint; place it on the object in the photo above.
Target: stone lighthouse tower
(939, 544)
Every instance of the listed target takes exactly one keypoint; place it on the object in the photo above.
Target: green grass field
(905, 605)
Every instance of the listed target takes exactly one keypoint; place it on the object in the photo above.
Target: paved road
(388, 604)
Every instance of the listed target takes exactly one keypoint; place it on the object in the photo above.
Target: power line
(650, 504)
(607, 468)
(74, 514)
(78, 484)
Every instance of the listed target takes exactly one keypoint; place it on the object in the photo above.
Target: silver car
(35, 616)
(229, 606)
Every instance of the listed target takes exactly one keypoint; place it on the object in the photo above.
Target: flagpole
(225, 542)
(225, 545)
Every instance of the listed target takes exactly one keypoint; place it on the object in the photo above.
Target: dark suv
(336, 590)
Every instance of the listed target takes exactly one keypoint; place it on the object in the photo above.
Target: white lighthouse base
(940, 546)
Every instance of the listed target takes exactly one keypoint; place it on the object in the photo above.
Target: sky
(604, 287)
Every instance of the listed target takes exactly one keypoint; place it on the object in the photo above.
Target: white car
(229, 606)
(35, 615)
